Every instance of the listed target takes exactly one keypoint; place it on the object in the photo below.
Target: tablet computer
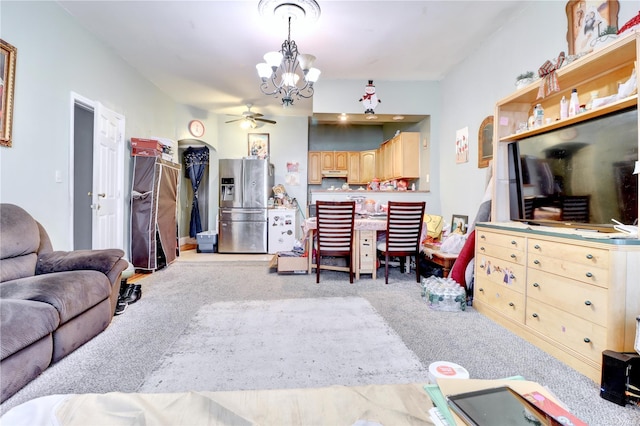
(497, 406)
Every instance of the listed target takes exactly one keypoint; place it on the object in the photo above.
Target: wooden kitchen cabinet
(314, 167)
(334, 160)
(405, 155)
(367, 166)
(573, 296)
(353, 169)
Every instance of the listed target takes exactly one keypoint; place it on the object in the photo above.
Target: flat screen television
(578, 174)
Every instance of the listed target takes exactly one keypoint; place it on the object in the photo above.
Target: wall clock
(196, 128)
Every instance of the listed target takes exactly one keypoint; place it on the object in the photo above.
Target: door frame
(77, 99)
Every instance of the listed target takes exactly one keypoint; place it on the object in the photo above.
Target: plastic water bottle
(574, 103)
(538, 116)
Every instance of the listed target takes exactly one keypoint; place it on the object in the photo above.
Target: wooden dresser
(570, 294)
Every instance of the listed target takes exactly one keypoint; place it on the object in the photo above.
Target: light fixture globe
(288, 73)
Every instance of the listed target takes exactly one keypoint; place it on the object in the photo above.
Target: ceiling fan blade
(233, 121)
(257, 114)
(265, 120)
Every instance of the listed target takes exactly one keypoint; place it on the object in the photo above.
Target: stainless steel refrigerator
(245, 188)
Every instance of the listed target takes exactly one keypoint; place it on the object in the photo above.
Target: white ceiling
(203, 53)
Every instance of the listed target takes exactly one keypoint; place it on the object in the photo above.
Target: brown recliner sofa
(51, 302)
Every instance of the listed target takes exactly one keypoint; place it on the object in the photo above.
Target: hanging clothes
(196, 161)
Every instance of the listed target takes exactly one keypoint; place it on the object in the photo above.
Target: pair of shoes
(132, 293)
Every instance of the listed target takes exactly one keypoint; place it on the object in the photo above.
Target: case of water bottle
(444, 294)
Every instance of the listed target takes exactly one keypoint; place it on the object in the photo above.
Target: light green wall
(56, 57)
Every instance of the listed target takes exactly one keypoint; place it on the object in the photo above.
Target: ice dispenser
(227, 189)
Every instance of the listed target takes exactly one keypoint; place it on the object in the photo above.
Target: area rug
(292, 343)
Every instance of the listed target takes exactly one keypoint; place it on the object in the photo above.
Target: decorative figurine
(370, 99)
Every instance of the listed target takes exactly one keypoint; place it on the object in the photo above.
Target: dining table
(366, 229)
(362, 225)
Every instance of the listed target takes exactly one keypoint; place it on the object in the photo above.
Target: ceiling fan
(249, 118)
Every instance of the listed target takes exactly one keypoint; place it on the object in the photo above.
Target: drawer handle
(481, 289)
(589, 275)
(483, 237)
(587, 340)
(513, 242)
(536, 285)
(482, 266)
(513, 256)
(589, 256)
(534, 315)
(537, 247)
(511, 304)
(537, 262)
(587, 302)
(482, 248)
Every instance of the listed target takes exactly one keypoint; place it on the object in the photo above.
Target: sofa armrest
(97, 260)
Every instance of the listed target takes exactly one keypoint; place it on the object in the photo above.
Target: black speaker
(620, 377)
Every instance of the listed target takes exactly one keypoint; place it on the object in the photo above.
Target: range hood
(334, 173)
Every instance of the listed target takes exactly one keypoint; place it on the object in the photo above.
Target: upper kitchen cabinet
(362, 166)
(334, 160)
(405, 156)
(314, 167)
(367, 166)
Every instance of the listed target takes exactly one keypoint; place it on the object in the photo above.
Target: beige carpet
(285, 344)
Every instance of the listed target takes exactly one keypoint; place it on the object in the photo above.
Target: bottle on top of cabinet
(574, 103)
(538, 116)
(564, 108)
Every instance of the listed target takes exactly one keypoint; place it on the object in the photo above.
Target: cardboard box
(146, 143)
(292, 265)
(145, 152)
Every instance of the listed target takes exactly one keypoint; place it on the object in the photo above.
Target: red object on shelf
(630, 24)
(146, 143)
(145, 152)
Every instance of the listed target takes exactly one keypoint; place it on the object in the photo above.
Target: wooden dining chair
(334, 233)
(404, 228)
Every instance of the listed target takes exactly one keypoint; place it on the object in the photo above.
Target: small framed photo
(259, 145)
(459, 224)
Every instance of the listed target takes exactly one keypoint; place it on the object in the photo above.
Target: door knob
(102, 195)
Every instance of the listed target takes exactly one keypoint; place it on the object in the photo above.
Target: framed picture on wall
(485, 142)
(7, 81)
(259, 145)
(587, 20)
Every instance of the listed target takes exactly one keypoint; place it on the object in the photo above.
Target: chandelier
(288, 73)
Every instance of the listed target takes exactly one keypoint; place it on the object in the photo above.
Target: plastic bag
(453, 243)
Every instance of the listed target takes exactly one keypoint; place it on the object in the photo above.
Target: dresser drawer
(501, 272)
(508, 302)
(506, 253)
(584, 337)
(576, 271)
(503, 240)
(588, 302)
(588, 256)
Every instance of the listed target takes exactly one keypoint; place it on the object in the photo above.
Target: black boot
(134, 295)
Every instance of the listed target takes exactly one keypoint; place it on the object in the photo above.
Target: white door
(108, 171)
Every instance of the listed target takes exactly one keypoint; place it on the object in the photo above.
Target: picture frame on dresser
(459, 224)
(7, 82)
(586, 20)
